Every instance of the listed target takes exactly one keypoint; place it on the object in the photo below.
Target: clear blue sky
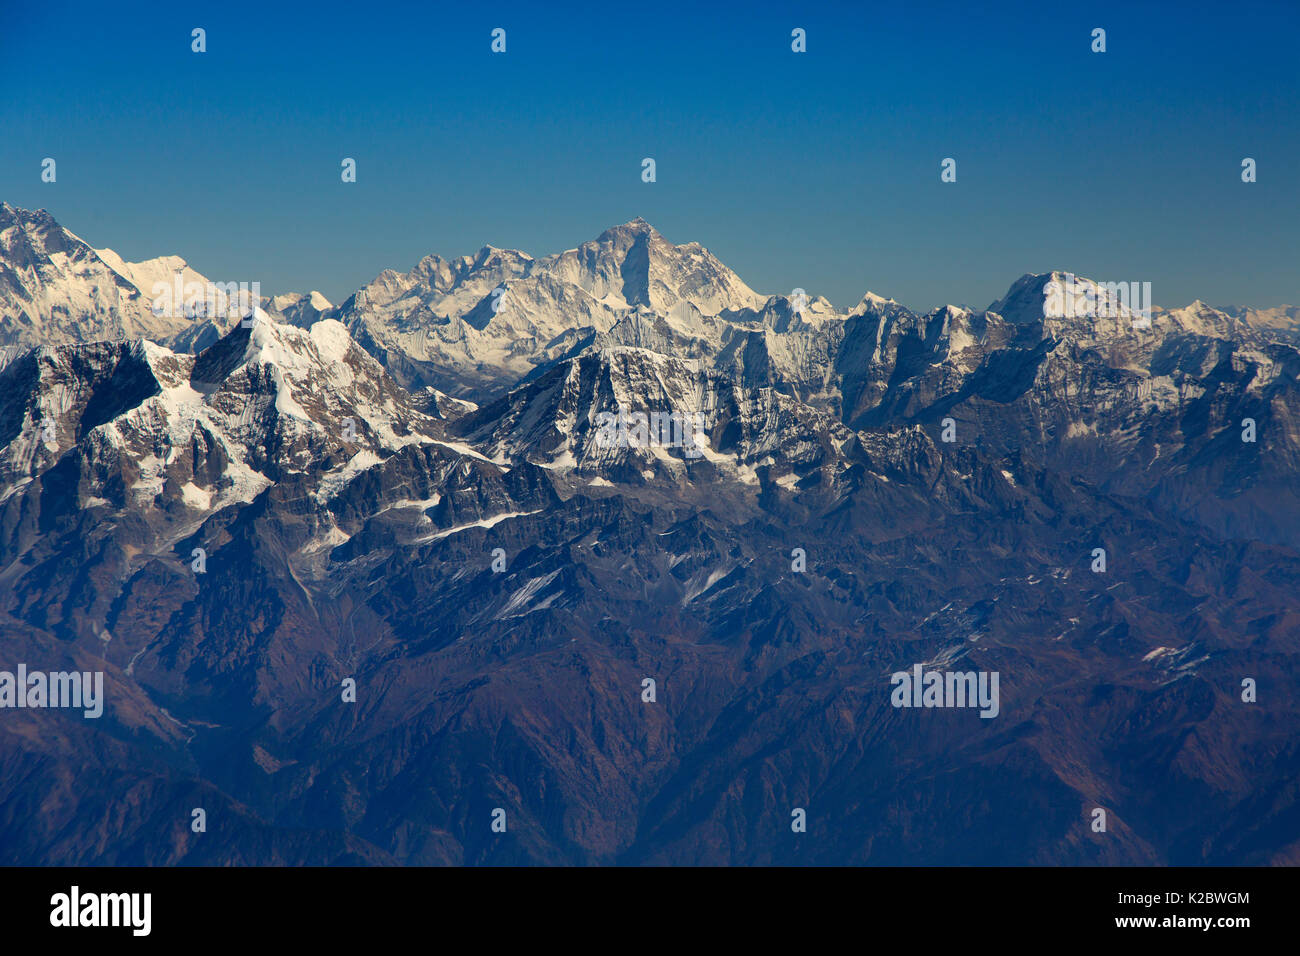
(818, 170)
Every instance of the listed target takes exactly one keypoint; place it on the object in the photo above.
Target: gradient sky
(817, 170)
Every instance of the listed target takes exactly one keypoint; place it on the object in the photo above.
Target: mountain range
(235, 517)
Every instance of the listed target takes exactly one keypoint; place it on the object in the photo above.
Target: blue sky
(817, 170)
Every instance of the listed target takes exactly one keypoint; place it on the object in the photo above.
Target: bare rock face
(357, 576)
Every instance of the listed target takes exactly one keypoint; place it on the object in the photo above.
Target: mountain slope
(234, 535)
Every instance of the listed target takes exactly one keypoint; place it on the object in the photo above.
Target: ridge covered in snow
(56, 289)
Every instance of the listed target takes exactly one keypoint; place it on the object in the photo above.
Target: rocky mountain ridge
(312, 497)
